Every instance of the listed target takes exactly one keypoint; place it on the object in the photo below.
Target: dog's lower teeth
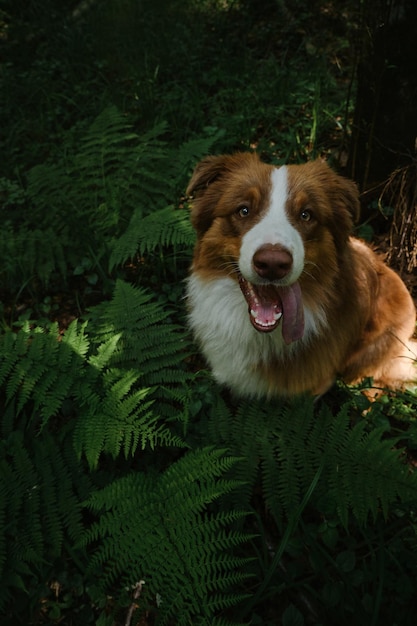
(277, 316)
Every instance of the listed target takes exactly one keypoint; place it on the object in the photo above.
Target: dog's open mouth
(269, 303)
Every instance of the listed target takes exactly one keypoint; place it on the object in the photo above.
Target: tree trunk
(385, 120)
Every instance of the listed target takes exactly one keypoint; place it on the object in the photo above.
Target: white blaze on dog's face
(274, 230)
(271, 261)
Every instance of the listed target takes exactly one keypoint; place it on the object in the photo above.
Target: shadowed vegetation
(134, 491)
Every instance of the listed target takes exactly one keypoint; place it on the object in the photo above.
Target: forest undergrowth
(133, 490)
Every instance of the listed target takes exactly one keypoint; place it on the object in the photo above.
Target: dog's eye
(243, 211)
(306, 215)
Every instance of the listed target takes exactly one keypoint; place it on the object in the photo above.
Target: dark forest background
(134, 491)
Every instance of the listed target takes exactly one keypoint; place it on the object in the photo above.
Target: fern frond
(108, 179)
(141, 353)
(113, 377)
(118, 417)
(123, 165)
(166, 227)
(163, 226)
(368, 474)
(147, 343)
(185, 156)
(363, 472)
(156, 528)
(92, 192)
(43, 370)
(31, 252)
(38, 487)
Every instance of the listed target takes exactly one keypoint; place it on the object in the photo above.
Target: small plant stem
(137, 590)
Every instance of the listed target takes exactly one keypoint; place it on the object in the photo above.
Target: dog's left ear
(349, 197)
(342, 192)
(343, 198)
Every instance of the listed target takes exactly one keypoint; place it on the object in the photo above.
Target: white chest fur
(220, 322)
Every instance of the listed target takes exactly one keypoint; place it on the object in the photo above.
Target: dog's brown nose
(272, 261)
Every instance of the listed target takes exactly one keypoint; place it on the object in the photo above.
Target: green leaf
(346, 561)
(292, 617)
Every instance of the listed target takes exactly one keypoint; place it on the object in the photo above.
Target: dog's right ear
(204, 187)
(205, 173)
(201, 192)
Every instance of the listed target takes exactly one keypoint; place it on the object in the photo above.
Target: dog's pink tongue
(268, 304)
(293, 313)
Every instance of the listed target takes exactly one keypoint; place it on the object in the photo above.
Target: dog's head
(278, 231)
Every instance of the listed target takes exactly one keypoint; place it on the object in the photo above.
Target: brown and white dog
(282, 299)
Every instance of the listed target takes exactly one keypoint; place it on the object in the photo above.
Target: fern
(157, 528)
(29, 253)
(83, 393)
(115, 388)
(112, 378)
(94, 198)
(165, 227)
(367, 474)
(148, 342)
(35, 367)
(110, 167)
(363, 473)
(41, 491)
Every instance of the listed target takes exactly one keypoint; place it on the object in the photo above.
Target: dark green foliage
(155, 528)
(165, 227)
(120, 460)
(361, 472)
(97, 389)
(96, 196)
(144, 339)
(107, 378)
(42, 487)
